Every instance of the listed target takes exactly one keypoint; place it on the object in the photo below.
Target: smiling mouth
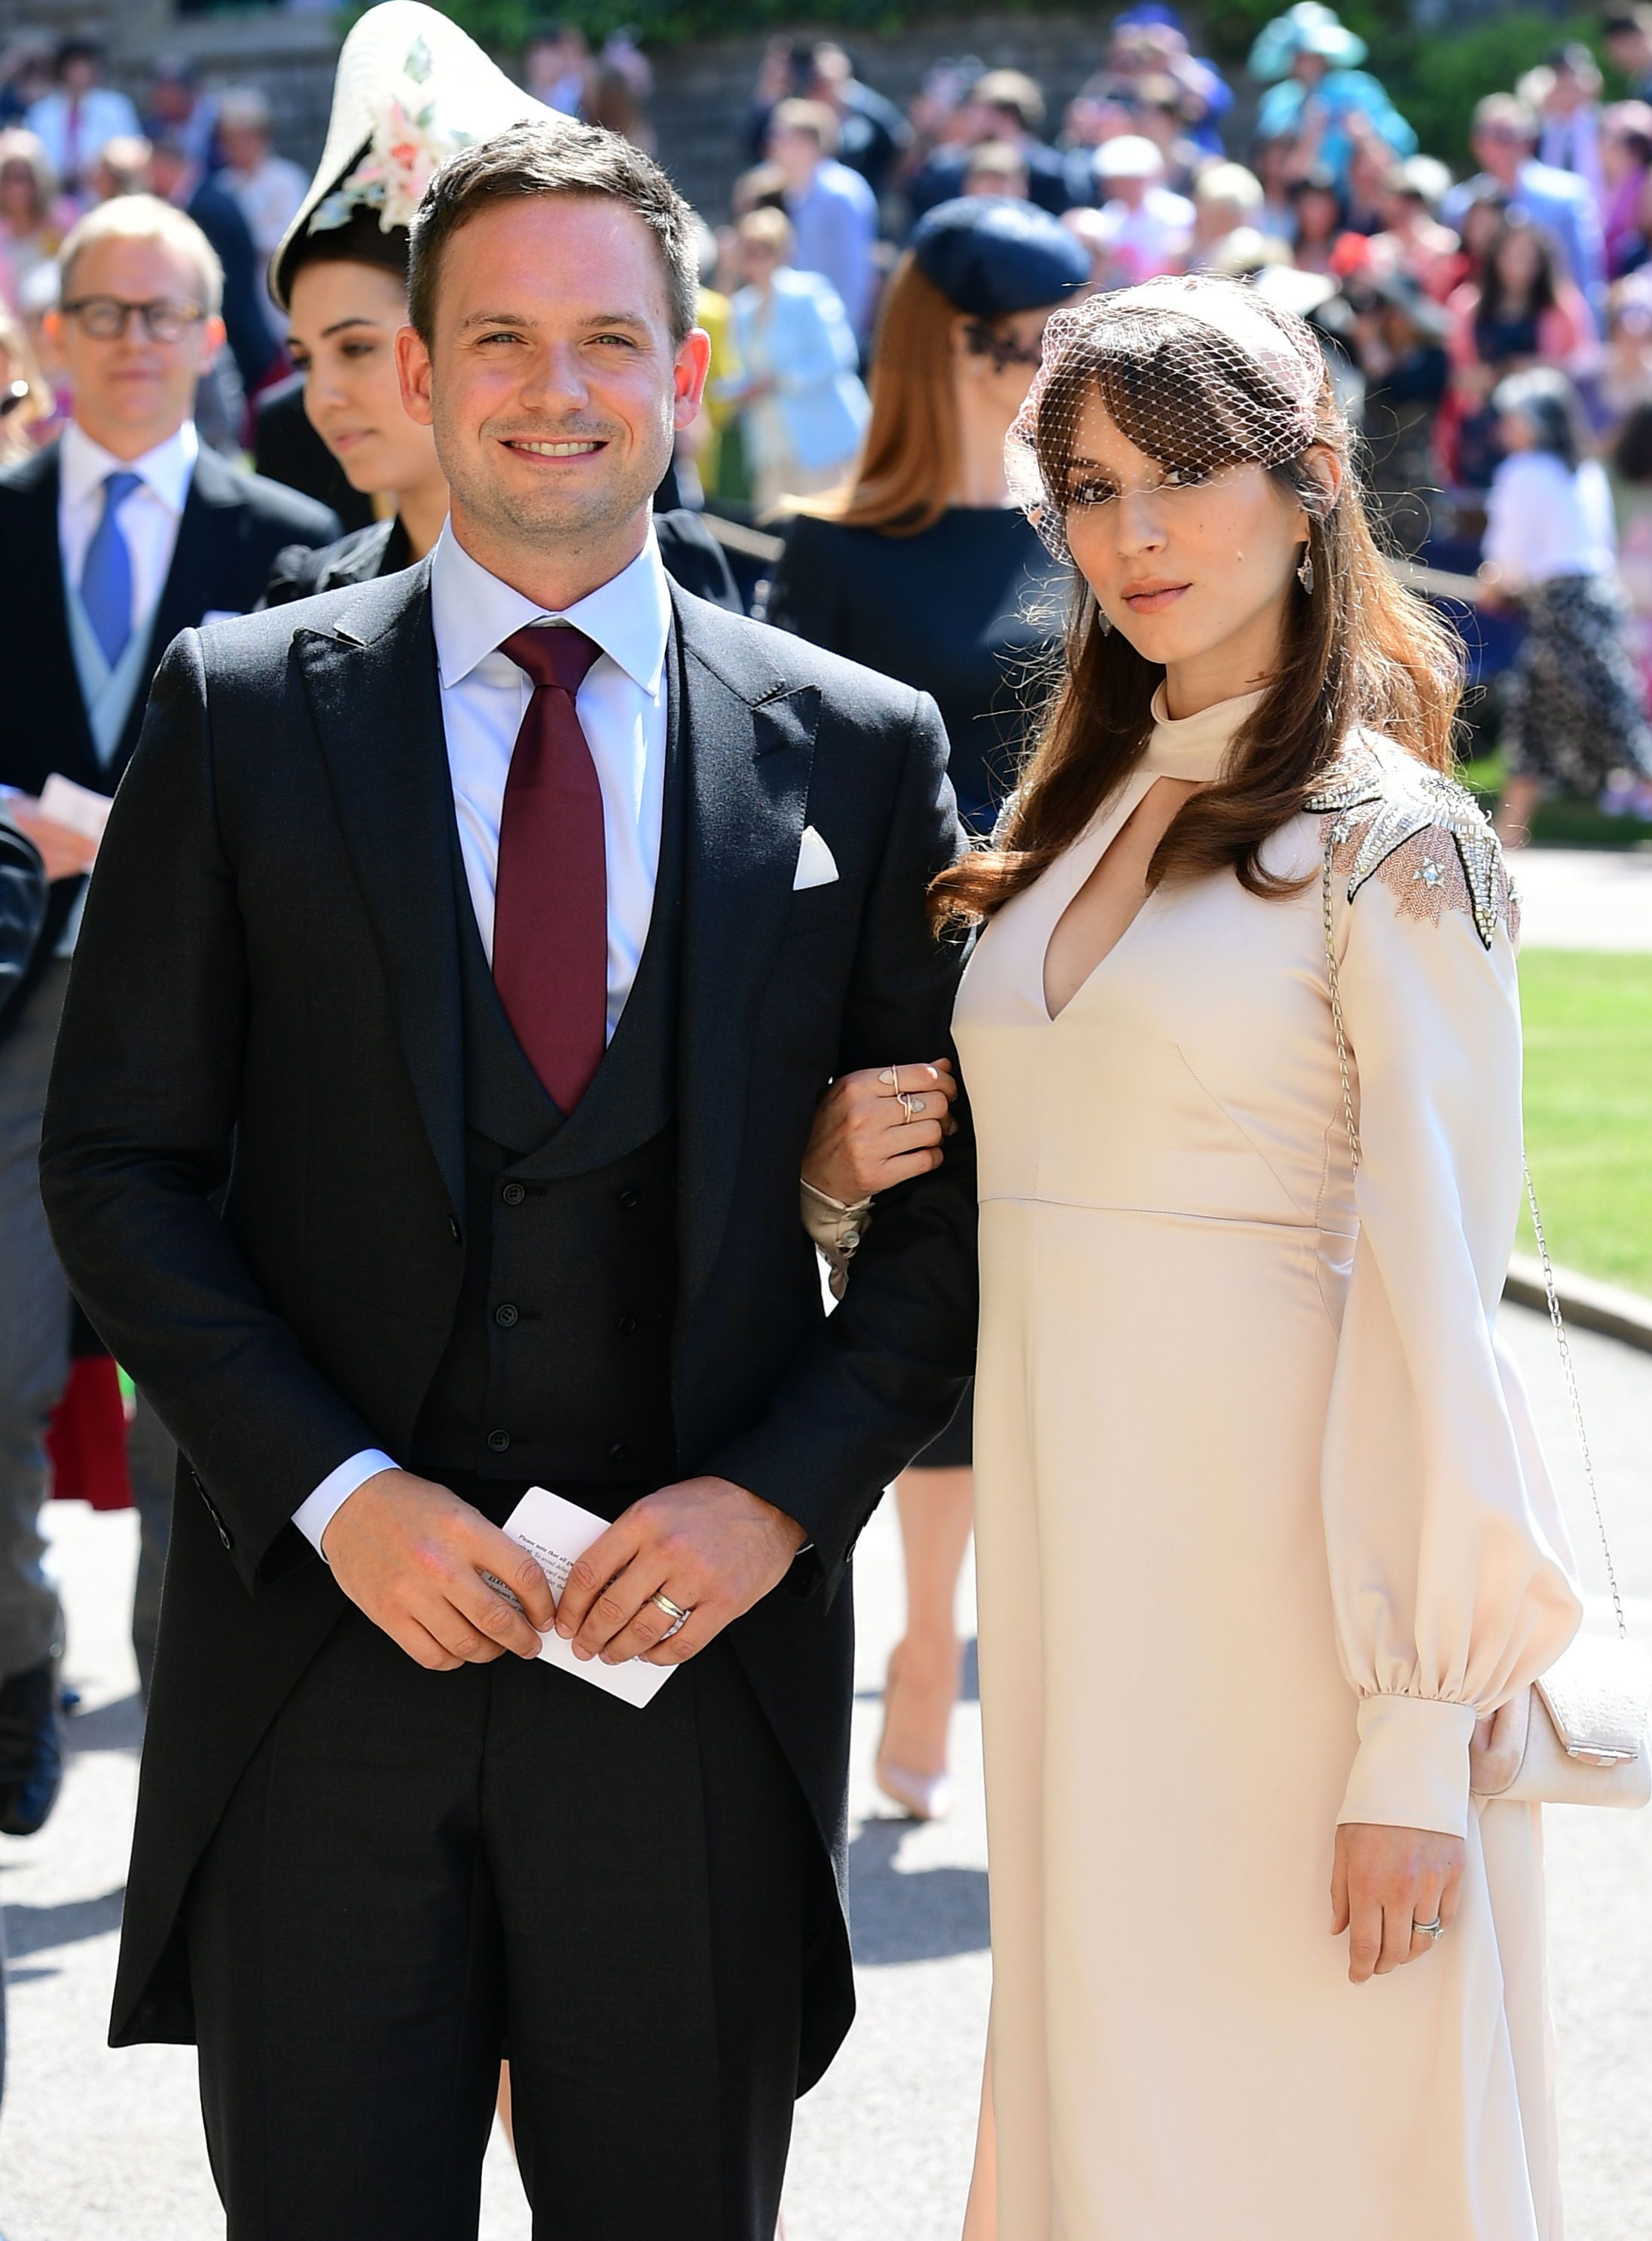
(579, 447)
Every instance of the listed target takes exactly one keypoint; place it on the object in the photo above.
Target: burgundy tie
(550, 897)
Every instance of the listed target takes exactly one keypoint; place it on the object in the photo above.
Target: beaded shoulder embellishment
(1421, 834)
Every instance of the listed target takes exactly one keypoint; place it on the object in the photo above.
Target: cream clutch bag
(1582, 1733)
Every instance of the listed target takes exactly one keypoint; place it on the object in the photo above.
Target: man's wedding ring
(675, 1612)
(1434, 1932)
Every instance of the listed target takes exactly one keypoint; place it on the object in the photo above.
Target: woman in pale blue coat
(804, 402)
(1322, 99)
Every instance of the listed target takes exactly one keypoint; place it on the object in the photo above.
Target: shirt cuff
(316, 1512)
(1411, 1770)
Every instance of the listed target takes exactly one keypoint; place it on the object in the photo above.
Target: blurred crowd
(1430, 290)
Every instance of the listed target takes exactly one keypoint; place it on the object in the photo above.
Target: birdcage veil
(1197, 373)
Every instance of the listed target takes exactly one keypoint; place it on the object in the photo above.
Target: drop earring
(1102, 622)
(1305, 571)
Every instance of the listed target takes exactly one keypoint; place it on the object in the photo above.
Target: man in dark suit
(111, 542)
(521, 906)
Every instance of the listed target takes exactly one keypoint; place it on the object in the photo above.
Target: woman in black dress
(923, 568)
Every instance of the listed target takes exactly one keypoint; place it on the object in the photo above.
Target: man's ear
(413, 371)
(214, 335)
(688, 373)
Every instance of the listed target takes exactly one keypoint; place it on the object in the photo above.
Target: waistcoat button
(498, 1441)
(626, 1325)
(513, 1194)
(505, 1315)
(629, 1199)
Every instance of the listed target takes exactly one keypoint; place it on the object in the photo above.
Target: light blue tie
(106, 579)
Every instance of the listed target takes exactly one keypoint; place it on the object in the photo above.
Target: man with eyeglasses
(111, 542)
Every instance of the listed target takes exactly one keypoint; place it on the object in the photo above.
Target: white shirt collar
(83, 463)
(473, 611)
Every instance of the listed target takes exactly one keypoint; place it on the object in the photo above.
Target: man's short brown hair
(532, 160)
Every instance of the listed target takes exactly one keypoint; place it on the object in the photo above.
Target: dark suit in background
(416, 1250)
(231, 527)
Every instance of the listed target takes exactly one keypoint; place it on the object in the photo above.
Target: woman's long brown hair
(908, 466)
(1358, 649)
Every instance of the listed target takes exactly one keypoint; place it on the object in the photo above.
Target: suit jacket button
(631, 1198)
(626, 1325)
(498, 1441)
(513, 1194)
(505, 1315)
(616, 1451)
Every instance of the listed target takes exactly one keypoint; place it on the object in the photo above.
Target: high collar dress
(1262, 1529)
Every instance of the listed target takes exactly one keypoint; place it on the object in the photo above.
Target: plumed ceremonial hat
(990, 255)
(411, 90)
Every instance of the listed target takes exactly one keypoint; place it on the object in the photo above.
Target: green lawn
(1589, 1108)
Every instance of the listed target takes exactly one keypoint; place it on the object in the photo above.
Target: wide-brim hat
(1130, 156)
(411, 90)
(993, 255)
(1309, 28)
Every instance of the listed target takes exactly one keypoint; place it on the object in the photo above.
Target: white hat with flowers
(411, 90)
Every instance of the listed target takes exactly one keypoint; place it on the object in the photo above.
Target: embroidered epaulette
(1424, 835)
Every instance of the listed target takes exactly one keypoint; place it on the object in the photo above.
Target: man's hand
(65, 853)
(708, 1546)
(411, 1555)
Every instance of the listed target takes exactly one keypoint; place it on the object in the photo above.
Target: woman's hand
(1383, 1881)
(878, 1128)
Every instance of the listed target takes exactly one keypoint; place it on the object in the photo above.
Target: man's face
(80, 75)
(132, 391)
(1501, 148)
(796, 154)
(554, 387)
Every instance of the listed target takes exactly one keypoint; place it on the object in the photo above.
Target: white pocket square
(816, 866)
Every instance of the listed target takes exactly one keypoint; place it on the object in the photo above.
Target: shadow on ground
(115, 1726)
(44, 1928)
(928, 1916)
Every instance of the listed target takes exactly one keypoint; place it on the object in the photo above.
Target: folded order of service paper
(76, 806)
(557, 1534)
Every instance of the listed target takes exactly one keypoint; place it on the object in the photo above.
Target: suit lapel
(375, 698)
(747, 737)
(41, 620)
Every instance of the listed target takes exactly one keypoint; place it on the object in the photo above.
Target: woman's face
(1316, 214)
(17, 199)
(1515, 433)
(345, 319)
(1182, 564)
(1519, 261)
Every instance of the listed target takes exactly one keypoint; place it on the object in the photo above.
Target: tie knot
(118, 487)
(553, 655)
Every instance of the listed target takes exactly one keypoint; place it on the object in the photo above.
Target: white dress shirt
(1545, 520)
(75, 133)
(149, 516)
(622, 709)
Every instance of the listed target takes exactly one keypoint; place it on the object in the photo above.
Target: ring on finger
(1434, 1932)
(675, 1612)
(911, 1104)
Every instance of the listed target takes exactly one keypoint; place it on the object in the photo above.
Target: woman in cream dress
(1262, 1529)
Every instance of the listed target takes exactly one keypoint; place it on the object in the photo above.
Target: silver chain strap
(1554, 1315)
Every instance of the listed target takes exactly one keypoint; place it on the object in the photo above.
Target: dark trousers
(421, 1871)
